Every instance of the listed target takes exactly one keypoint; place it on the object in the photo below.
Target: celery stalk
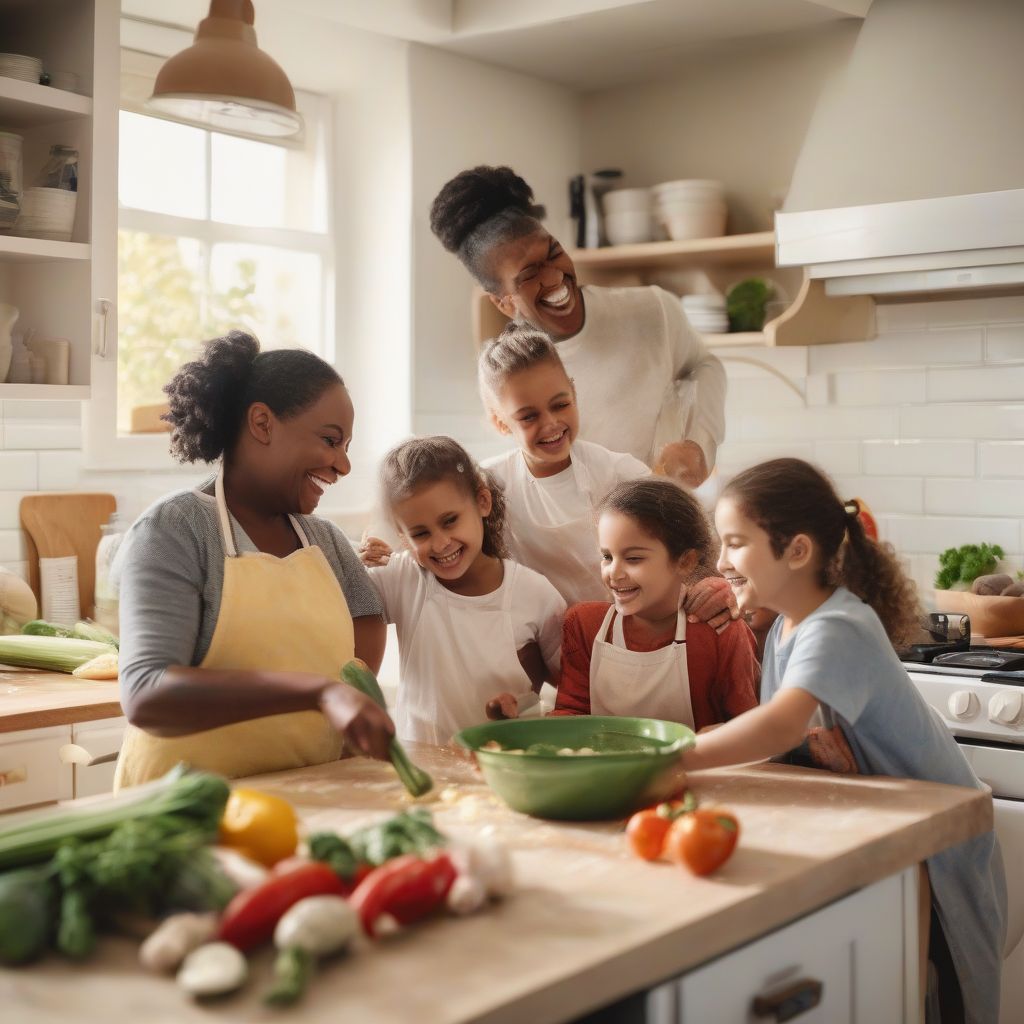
(358, 675)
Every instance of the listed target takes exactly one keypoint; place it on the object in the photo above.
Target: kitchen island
(589, 923)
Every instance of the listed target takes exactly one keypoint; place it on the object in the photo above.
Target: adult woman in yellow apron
(238, 606)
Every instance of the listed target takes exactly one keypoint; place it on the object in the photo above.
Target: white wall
(925, 423)
(738, 116)
(465, 113)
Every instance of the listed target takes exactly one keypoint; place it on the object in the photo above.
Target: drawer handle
(72, 753)
(11, 776)
(789, 1002)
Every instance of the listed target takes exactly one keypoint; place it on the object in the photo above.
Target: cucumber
(39, 627)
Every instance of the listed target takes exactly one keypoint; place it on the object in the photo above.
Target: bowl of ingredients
(968, 583)
(580, 768)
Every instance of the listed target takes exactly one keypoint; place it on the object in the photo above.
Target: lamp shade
(224, 80)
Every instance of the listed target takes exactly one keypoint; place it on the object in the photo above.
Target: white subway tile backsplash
(911, 350)
(739, 455)
(982, 422)
(12, 546)
(919, 458)
(19, 471)
(893, 315)
(882, 493)
(1004, 343)
(1001, 458)
(936, 533)
(818, 424)
(838, 457)
(869, 387)
(974, 498)
(749, 361)
(25, 434)
(977, 310)
(43, 411)
(977, 383)
(18, 568)
(60, 470)
(10, 502)
(744, 392)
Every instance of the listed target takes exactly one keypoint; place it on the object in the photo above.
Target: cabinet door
(853, 949)
(99, 741)
(31, 771)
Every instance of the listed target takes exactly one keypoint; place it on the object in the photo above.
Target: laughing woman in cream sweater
(645, 381)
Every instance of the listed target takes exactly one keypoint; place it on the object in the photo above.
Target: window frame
(104, 448)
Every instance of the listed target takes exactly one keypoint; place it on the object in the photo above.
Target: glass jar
(10, 179)
(60, 170)
(106, 588)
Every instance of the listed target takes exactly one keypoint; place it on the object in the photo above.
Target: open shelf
(15, 249)
(28, 105)
(47, 392)
(725, 250)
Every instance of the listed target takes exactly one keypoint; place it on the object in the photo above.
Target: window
(216, 232)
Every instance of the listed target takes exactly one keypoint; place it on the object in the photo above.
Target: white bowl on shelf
(47, 213)
(701, 187)
(17, 65)
(624, 200)
(628, 227)
(698, 222)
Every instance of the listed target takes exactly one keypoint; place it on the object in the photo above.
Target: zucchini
(358, 675)
(40, 627)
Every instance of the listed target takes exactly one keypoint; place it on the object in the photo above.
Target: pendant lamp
(225, 81)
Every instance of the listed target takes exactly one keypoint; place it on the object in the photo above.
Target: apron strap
(619, 636)
(227, 534)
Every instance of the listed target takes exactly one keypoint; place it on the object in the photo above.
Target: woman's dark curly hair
(789, 496)
(420, 461)
(210, 396)
(666, 512)
(481, 208)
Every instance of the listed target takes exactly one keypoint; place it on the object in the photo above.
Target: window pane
(276, 293)
(159, 321)
(161, 166)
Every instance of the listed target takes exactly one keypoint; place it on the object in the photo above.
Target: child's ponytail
(789, 496)
(428, 460)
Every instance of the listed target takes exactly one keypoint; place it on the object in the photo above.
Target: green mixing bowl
(634, 756)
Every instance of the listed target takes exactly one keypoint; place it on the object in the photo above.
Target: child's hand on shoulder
(710, 600)
(373, 551)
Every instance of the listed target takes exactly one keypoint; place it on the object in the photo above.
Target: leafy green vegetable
(745, 303)
(411, 831)
(26, 914)
(965, 564)
(335, 852)
(197, 798)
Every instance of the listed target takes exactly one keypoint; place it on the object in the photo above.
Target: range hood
(911, 176)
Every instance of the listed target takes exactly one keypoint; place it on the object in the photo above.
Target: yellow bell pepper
(260, 826)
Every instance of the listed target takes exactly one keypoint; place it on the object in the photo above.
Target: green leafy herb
(965, 564)
(745, 304)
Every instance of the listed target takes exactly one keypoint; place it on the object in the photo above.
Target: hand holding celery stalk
(358, 675)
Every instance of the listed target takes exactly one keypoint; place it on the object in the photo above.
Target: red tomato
(867, 520)
(646, 833)
(703, 840)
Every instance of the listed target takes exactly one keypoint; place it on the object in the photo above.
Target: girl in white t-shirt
(475, 629)
(553, 481)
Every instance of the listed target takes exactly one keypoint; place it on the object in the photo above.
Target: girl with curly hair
(478, 634)
(647, 383)
(833, 690)
(239, 607)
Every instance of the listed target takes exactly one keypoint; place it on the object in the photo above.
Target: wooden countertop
(587, 924)
(30, 699)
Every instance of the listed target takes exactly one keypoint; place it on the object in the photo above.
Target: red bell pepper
(250, 917)
(407, 888)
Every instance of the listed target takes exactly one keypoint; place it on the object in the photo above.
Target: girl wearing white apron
(652, 535)
(473, 626)
(272, 626)
(553, 481)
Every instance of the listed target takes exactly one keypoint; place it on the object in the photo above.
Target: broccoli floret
(966, 563)
(745, 304)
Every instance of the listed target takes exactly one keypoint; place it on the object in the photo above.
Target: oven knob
(1005, 707)
(963, 705)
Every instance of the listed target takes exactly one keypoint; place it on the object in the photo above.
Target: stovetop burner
(993, 659)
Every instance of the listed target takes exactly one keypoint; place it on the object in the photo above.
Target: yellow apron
(277, 615)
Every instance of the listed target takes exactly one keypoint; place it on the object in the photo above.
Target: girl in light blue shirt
(833, 691)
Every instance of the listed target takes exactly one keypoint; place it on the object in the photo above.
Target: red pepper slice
(250, 917)
(407, 888)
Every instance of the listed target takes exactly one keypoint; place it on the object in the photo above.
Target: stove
(978, 692)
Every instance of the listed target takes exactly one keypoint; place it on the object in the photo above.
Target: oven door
(1002, 768)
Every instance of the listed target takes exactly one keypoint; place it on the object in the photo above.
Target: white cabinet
(852, 962)
(31, 770)
(96, 746)
(57, 285)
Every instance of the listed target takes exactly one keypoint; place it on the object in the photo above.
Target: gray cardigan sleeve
(161, 597)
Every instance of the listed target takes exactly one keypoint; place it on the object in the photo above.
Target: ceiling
(584, 44)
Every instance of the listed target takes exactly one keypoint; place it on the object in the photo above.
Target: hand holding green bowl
(634, 762)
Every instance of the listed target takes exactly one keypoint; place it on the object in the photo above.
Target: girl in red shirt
(637, 655)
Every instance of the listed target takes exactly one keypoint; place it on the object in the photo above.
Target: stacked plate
(627, 215)
(47, 213)
(706, 313)
(690, 208)
(16, 65)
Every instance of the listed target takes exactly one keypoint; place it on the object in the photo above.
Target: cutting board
(58, 525)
